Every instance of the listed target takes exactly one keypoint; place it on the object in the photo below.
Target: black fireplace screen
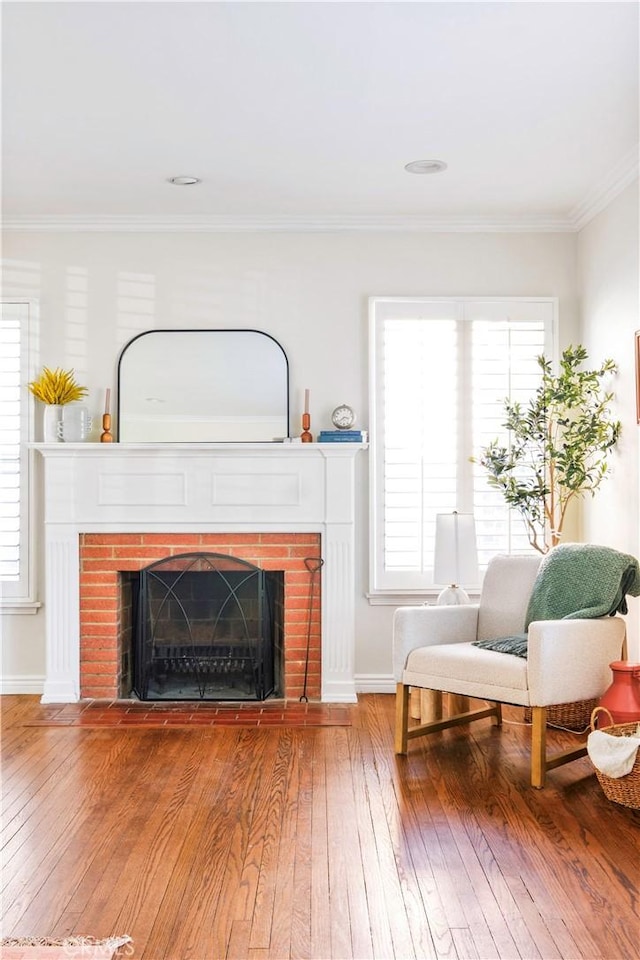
(207, 627)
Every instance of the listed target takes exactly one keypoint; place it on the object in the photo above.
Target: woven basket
(624, 790)
(572, 716)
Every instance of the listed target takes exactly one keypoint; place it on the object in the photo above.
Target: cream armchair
(568, 660)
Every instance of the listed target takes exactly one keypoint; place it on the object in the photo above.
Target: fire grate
(208, 627)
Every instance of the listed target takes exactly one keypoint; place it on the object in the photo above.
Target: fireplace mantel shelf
(199, 449)
(191, 488)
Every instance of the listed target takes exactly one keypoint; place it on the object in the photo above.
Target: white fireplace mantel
(212, 488)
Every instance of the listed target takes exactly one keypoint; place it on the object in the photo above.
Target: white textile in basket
(611, 755)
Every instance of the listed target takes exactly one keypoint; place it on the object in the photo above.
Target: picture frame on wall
(637, 355)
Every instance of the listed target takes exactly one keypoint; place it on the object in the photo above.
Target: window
(440, 371)
(16, 580)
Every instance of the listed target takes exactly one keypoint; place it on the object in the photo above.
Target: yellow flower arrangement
(57, 386)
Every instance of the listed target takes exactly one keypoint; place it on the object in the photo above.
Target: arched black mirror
(199, 386)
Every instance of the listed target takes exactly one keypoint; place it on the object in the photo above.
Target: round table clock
(343, 417)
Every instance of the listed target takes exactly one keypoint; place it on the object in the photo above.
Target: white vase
(75, 423)
(51, 417)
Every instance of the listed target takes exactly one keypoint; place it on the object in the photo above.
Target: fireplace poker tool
(313, 565)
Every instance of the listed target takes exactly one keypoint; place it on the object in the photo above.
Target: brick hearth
(105, 622)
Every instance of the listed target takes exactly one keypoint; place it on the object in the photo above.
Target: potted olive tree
(558, 445)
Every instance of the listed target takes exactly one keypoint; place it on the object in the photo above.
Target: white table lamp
(456, 555)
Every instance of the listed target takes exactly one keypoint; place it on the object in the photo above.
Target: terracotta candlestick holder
(106, 436)
(305, 436)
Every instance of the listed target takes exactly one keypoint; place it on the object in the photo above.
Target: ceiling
(304, 114)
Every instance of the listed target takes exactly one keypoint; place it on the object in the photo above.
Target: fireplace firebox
(207, 627)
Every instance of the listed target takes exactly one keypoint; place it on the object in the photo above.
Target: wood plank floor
(312, 842)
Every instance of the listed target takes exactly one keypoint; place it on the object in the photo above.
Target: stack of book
(342, 436)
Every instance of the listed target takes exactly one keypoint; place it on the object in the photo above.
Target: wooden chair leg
(425, 705)
(497, 717)
(414, 703)
(403, 694)
(430, 705)
(457, 703)
(538, 746)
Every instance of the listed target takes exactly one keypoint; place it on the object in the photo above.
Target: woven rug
(48, 948)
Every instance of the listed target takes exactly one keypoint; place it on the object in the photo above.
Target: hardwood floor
(272, 843)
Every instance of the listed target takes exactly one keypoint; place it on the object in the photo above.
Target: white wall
(310, 291)
(608, 278)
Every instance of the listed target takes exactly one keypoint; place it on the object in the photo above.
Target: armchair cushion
(464, 669)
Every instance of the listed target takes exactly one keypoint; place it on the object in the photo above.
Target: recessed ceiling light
(425, 166)
(184, 181)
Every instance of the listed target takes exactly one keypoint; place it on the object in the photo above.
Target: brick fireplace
(105, 614)
(113, 508)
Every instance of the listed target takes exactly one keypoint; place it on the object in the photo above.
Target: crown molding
(597, 199)
(624, 173)
(287, 223)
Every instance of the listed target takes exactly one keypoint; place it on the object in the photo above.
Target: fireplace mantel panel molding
(199, 488)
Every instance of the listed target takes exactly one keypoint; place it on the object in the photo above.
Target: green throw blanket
(575, 581)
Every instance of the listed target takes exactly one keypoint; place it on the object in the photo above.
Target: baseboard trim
(375, 683)
(22, 684)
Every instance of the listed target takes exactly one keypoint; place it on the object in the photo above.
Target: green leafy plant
(558, 446)
(57, 386)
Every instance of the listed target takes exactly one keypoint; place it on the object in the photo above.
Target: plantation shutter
(506, 340)
(441, 370)
(14, 480)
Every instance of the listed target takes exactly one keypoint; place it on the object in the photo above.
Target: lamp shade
(456, 554)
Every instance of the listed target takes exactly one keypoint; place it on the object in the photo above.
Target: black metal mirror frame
(248, 397)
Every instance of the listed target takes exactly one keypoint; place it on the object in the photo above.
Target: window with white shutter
(440, 372)
(16, 581)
